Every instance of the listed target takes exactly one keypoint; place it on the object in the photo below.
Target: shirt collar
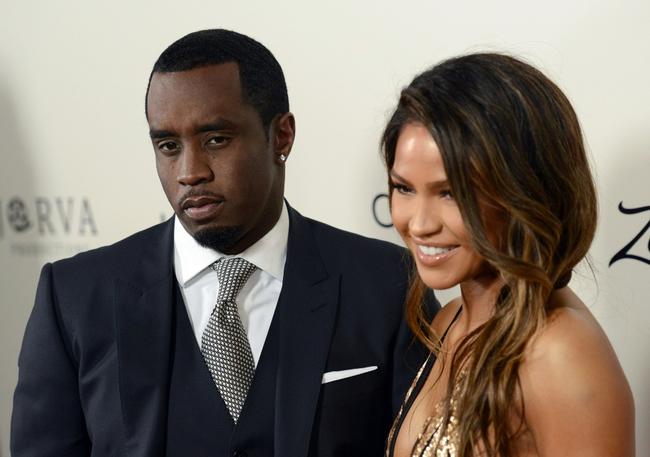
(268, 253)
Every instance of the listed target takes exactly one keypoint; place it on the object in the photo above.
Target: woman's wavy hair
(509, 139)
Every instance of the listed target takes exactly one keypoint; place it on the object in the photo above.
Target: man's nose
(194, 167)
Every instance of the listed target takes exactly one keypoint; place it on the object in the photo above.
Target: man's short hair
(260, 75)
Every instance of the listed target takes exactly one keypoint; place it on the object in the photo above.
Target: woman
(491, 189)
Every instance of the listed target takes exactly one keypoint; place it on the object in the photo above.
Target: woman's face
(425, 213)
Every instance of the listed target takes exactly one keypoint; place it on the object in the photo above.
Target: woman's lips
(432, 256)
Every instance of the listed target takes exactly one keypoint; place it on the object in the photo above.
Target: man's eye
(168, 146)
(218, 140)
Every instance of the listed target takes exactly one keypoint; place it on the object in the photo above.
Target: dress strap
(415, 388)
(456, 316)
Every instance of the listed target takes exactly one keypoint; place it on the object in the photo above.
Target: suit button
(239, 454)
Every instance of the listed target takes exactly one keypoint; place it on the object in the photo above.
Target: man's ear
(283, 134)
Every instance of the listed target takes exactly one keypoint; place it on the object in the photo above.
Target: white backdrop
(77, 170)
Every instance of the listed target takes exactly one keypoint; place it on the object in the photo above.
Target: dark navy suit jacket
(94, 366)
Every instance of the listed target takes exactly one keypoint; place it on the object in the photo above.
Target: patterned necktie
(224, 343)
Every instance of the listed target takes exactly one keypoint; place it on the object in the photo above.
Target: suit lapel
(143, 307)
(307, 306)
(144, 312)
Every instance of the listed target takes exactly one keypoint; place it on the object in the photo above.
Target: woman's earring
(283, 157)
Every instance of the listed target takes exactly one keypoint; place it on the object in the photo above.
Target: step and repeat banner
(77, 168)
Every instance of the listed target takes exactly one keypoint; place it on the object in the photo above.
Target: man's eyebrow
(221, 124)
(215, 126)
(156, 134)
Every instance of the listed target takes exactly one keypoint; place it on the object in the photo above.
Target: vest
(198, 422)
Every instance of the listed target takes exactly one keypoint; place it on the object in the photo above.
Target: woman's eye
(446, 193)
(401, 188)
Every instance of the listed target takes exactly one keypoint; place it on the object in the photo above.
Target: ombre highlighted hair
(509, 139)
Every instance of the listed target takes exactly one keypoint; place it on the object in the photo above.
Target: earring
(283, 157)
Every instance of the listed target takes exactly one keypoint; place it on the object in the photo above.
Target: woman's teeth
(433, 250)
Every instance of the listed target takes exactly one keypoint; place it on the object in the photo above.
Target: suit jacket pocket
(352, 389)
(353, 416)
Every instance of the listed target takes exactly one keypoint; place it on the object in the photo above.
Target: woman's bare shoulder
(576, 397)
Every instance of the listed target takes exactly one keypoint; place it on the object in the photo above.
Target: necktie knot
(232, 274)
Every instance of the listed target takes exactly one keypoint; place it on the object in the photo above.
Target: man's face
(222, 175)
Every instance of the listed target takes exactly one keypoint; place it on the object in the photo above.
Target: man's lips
(201, 207)
(201, 200)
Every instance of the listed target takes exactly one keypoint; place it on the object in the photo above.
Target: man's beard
(220, 239)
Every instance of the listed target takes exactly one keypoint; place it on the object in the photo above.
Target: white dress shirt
(256, 300)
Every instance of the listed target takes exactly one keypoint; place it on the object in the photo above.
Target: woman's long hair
(509, 139)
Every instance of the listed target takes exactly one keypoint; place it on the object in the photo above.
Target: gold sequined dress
(431, 441)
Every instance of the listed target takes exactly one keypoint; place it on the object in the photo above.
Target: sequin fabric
(431, 442)
(392, 435)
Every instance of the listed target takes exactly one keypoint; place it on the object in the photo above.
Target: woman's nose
(425, 219)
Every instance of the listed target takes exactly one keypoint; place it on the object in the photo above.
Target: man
(305, 351)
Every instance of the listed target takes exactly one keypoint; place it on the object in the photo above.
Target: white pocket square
(342, 374)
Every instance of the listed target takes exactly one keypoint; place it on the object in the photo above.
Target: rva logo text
(48, 216)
